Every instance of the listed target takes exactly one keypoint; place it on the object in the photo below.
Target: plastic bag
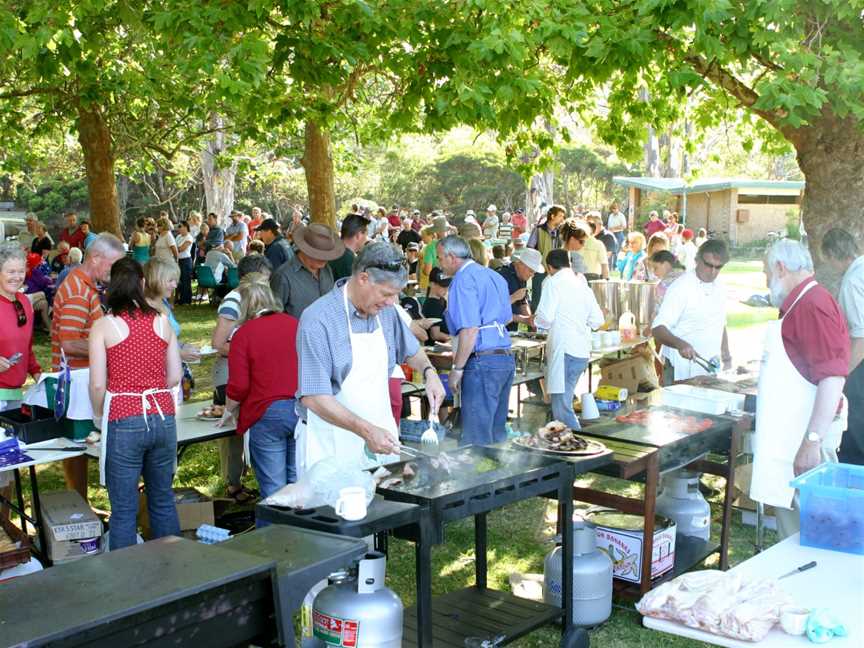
(321, 484)
(721, 603)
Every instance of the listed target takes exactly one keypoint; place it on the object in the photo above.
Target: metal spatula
(430, 436)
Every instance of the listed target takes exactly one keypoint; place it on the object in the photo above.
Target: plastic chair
(206, 280)
(233, 277)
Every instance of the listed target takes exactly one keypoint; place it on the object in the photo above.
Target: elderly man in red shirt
(800, 413)
(72, 233)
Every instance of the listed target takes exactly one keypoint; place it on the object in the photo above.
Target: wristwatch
(813, 437)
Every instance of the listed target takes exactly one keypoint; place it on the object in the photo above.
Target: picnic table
(190, 430)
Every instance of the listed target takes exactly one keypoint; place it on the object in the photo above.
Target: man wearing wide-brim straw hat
(306, 276)
(429, 255)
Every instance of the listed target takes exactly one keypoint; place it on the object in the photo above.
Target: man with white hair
(800, 410)
(478, 311)
(77, 305)
(348, 343)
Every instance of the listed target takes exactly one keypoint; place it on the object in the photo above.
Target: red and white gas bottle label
(335, 631)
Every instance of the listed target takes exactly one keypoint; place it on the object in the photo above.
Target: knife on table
(798, 570)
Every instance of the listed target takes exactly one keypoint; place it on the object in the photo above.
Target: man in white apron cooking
(800, 411)
(348, 343)
(692, 317)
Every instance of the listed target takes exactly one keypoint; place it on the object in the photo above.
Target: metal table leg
(480, 557)
(20, 497)
(760, 522)
(423, 574)
(37, 514)
(565, 521)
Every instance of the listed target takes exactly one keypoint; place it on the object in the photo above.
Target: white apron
(555, 369)
(783, 408)
(147, 396)
(366, 393)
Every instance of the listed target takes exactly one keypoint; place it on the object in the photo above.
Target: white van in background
(11, 221)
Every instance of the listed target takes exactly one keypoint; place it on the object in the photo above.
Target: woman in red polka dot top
(134, 366)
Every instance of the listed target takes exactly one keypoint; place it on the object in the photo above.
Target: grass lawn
(519, 535)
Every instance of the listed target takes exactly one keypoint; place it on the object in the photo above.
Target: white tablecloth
(836, 584)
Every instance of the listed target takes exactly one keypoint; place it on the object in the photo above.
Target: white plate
(207, 351)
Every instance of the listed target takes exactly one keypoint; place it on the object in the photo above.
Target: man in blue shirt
(478, 311)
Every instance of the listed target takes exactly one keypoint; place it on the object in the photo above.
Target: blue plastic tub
(832, 507)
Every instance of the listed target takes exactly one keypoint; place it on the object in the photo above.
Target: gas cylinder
(592, 578)
(682, 502)
(356, 609)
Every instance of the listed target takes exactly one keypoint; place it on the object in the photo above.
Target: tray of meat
(557, 438)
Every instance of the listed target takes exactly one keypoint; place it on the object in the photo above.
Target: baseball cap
(268, 224)
(437, 276)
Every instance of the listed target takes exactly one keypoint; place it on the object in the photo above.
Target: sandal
(242, 495)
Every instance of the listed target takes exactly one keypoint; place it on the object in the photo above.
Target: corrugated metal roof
(678, 186)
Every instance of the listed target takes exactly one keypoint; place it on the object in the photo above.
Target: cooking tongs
(712, 366)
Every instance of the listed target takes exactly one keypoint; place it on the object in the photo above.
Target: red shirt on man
(75, 238)
(815, 335)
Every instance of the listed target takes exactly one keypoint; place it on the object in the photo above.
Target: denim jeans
(133, 451)
(485, 389)
(271, 444)
(562, 404)
(184, 286)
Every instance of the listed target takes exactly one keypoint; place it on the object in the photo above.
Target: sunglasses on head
(394, 266)
(19, 312)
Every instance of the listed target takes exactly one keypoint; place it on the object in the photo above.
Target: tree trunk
(218, 177)
(829, 154)
(95, 140)
(318, 165)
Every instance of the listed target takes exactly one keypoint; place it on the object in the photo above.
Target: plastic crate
(699, 399)
(832, 507)
(31, 425)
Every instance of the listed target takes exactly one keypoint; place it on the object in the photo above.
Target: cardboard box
(72, 529)
(631, 373)
(624, 547)
(193, 508)
(68, 550)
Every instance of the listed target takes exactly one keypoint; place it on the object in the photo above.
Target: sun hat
(439, 225)
(318, 241)
(530, 257)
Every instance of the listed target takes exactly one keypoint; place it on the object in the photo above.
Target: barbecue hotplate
(479, 479)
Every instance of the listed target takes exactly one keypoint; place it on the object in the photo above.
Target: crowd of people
(318, 325)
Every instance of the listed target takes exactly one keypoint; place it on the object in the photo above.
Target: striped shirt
(324, 344)
(76, 307)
